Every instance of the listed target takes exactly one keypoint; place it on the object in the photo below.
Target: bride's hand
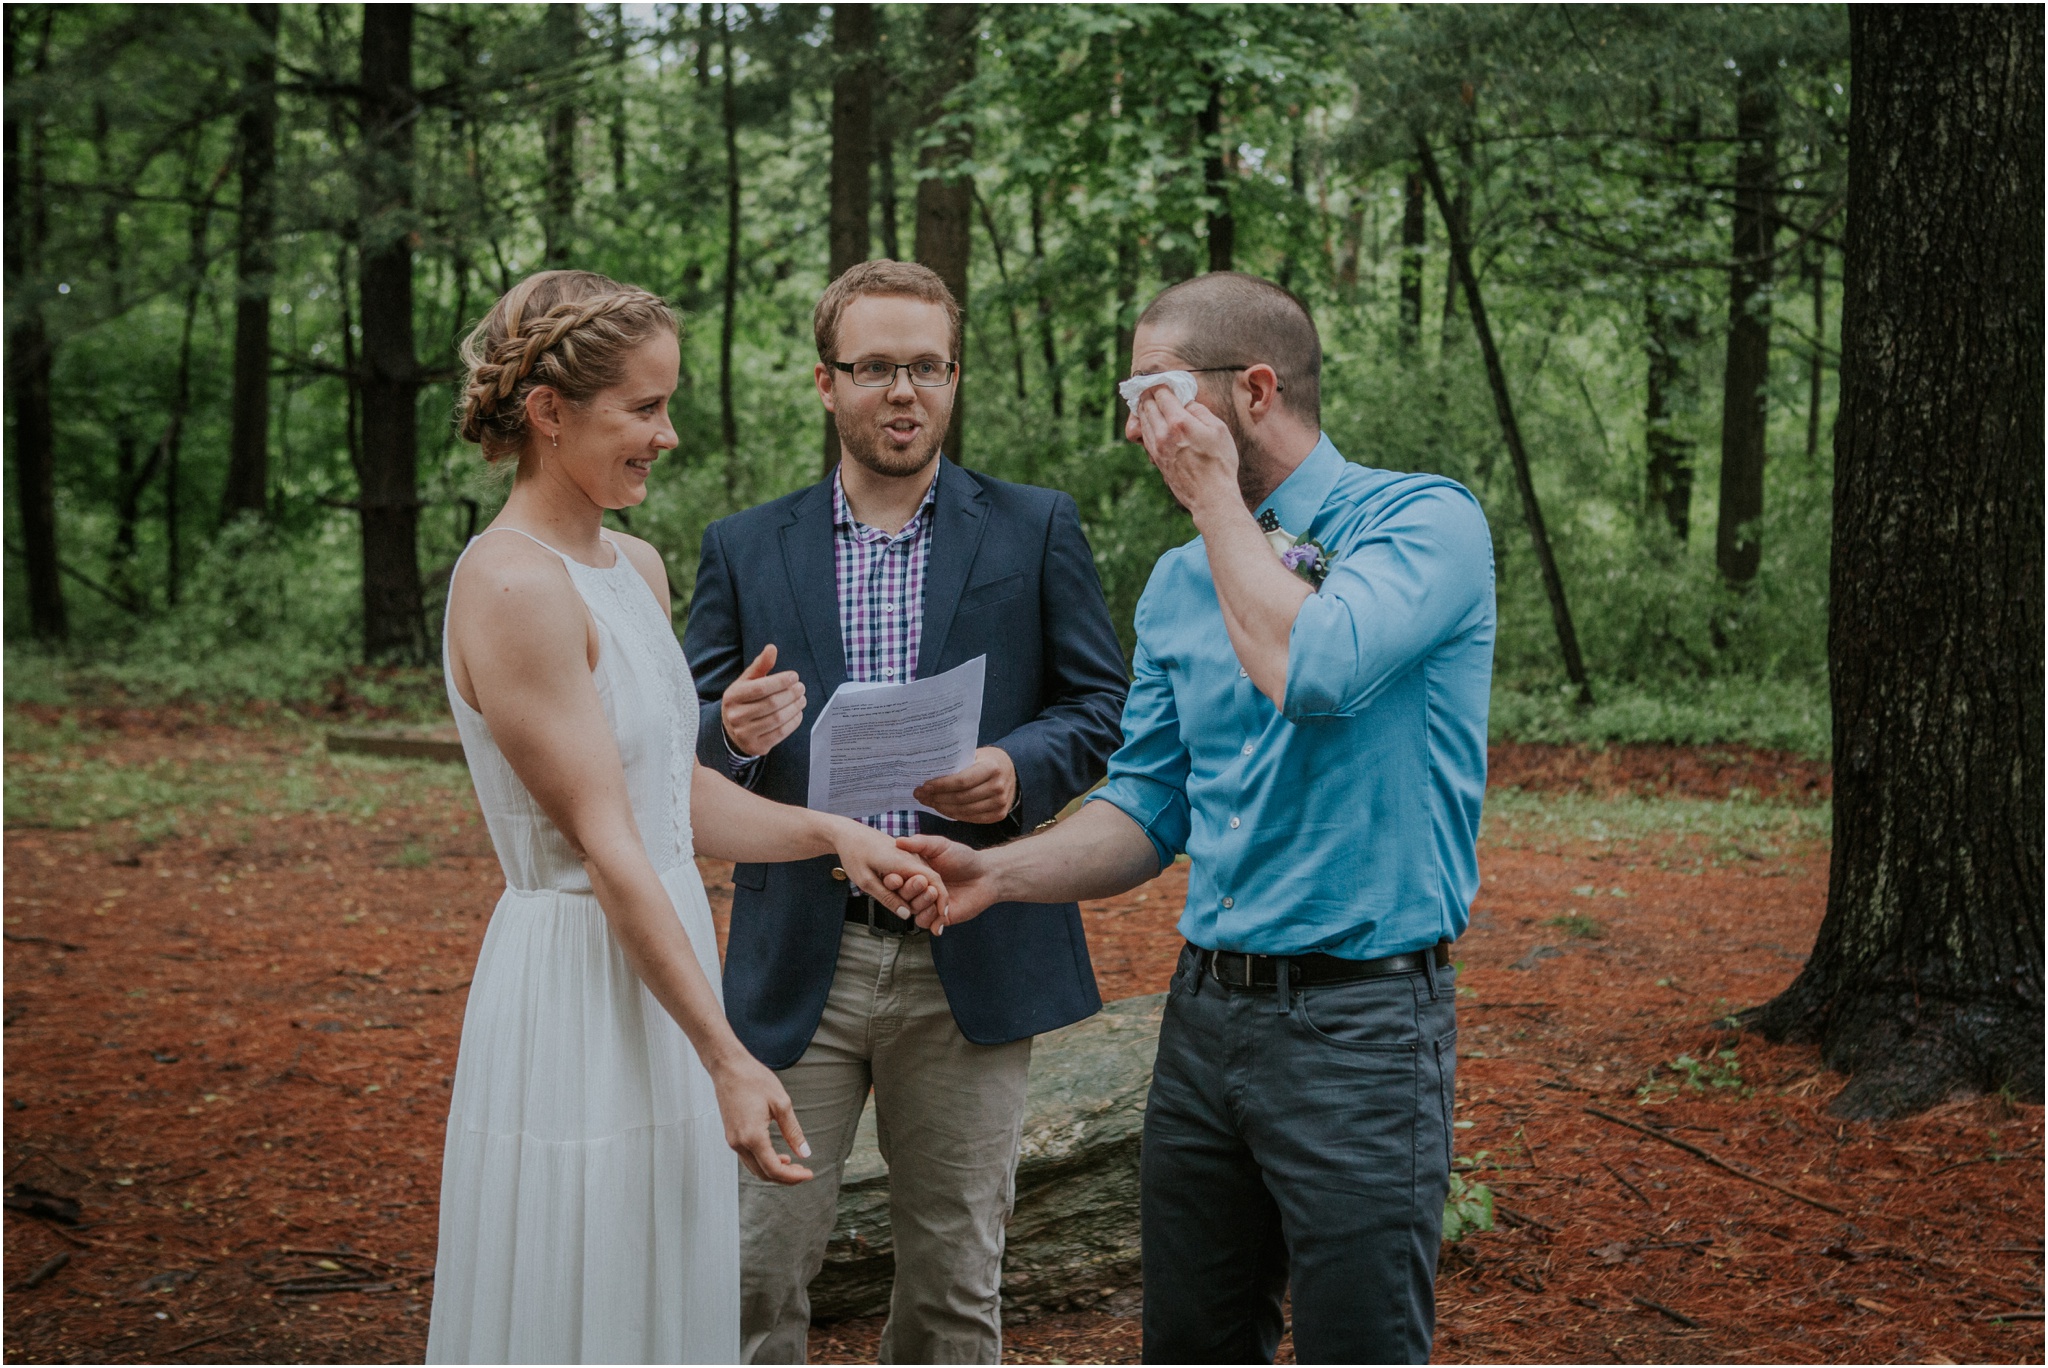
(895, 878)
(749, 1097)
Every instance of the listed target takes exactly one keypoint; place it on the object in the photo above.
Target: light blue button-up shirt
(1344, 822)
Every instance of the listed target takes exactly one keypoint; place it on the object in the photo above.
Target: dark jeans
(1302, 1145)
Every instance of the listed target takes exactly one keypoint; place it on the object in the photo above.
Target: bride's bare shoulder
(508, 570)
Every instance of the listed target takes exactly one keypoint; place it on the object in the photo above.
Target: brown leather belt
(1235, 970)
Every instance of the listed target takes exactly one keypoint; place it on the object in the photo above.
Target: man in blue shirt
(1315, 741)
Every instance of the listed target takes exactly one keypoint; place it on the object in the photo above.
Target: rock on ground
(1074, 1234)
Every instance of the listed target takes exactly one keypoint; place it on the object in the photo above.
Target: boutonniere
(1304, 556)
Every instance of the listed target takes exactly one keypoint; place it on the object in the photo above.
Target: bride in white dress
(588, 1192)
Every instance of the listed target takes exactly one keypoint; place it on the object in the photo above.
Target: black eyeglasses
(877, 374)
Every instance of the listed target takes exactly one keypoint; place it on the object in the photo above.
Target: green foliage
(1469, 1208)
(49, 784)
(1720, 1071)
(1578, 925)
(1591, 149)
(1677, 832)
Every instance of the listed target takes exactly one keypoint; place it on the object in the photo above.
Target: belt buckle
(1216, 968)
(868, 908)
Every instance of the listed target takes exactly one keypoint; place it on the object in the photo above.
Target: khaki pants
(948, 1115)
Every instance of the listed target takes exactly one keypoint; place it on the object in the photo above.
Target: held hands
(970, 880)
(749, 1097)
(984, 792)
(897, 879)
(760, 709)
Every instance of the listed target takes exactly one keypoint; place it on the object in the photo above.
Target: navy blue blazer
(1010, 577)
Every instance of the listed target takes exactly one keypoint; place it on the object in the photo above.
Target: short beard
(866, 448)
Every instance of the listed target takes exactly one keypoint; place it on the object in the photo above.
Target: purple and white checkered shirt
(881, 604)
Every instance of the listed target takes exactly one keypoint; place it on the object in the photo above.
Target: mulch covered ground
(229, 1040)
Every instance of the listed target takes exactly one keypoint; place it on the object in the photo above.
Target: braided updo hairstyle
(568, 330)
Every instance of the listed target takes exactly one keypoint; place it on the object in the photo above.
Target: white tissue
(1181, 382)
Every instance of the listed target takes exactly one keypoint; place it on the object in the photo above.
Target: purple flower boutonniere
(1304, 556)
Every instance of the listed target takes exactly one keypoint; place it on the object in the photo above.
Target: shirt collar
(842, 512)
(1300, 496)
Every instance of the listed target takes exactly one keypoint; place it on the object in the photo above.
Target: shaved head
(1228, 318)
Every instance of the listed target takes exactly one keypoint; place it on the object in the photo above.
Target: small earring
(554, 441)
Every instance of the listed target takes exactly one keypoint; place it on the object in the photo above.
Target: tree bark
(853, 136)
(885, 174)
(995, 246)
(33, 443)
(1670, 336)
(1126, 326)
(1216, 181)
(1414, 237)
(1816, 362)
(620, 49)
(1737, 550)
(1046, 341)
(1926, 977)
(1511, 431)
(394, 628)
(945, 197)
(248, 483)
(728, 417)
(563, 27)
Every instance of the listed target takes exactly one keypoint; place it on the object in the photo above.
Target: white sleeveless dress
(589, 1203)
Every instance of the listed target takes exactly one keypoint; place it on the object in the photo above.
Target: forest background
(243, 242)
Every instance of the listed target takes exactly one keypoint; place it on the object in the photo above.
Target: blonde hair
(568, 330)
(906, 279)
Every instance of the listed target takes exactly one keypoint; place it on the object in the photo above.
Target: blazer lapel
(959, 516)
(814, 584)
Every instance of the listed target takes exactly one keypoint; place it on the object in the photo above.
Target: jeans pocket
(1375, 1015)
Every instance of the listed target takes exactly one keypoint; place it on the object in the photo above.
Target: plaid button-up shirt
(881, 604)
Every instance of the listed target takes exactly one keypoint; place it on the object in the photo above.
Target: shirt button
(889, 672)
(1230, 902)
(1241, 673)
(1234, 824)
(1247, 748)
(888, 607)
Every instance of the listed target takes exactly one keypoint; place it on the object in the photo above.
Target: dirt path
(234, 997)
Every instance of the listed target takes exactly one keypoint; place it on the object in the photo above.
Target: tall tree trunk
(1414, 239)
(885, 176)
(853, 136)
(1669, 335)
(394, 628)
(1126, 325)
(945, 198)
(995, 245)
(1511, 431)
(563, 27)
(620, 45)
(1816, 361)
(33, 443)
(728, 417)
(1216, 165)
(1046, 342)
(248, 482)
(1926, 978)
(1737, 550)
(170, 447)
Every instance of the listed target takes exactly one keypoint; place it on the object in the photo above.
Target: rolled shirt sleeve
(1417, 577)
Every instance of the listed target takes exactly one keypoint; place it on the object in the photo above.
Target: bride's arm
(522, 641)
(732, 823)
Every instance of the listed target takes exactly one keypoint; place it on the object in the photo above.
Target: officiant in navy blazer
(900, 564)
